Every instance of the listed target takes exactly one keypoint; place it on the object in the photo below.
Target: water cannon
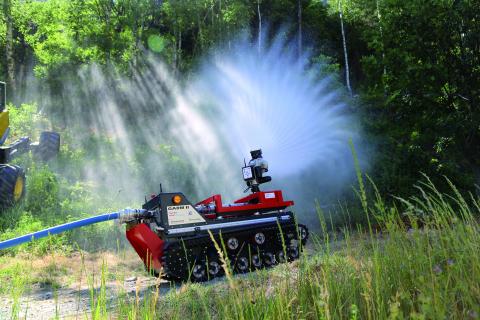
(253, 173)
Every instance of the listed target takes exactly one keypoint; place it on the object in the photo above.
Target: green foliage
(25, 121)
(414, 65)
(26, 224)
(421, 90)
(43, 192)
(50, 199)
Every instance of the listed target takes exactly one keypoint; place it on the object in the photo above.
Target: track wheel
(302, 233)
(48, 145)
(12, 185)
(232, 243)
(256, 261)
(259, 238)
(269, 259)
(242, 264)
(280, 256)
(199, 272)
(214, 269)
(293, 252)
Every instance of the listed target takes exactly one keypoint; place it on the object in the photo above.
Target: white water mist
(245, 99)
(193, 136)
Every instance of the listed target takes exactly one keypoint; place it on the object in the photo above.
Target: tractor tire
(48, 145)
(12, 185)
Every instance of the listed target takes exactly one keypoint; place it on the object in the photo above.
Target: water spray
(241, 98)
(238, 99)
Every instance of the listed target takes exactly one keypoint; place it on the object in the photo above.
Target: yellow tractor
(12, 177)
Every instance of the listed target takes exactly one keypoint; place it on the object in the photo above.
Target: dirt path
(45, 303)
(62, 286)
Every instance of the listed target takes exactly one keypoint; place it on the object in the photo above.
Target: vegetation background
(412, 65)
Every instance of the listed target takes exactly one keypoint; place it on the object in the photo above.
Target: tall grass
(421, 262)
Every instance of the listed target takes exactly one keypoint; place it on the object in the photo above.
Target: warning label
(185, 214)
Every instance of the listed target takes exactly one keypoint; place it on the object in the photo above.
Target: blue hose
(124, 214)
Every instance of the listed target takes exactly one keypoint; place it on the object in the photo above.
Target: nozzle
(256, 153)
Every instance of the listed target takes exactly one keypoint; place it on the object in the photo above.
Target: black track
(196, 259)
(48, 145)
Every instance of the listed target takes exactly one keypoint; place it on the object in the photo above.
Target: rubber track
(179, 256)
(49, 145)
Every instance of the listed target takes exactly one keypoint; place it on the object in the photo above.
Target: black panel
(166, 199)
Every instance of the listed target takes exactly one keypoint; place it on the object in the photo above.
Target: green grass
(400, 272)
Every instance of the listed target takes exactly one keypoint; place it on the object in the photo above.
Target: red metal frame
(261, 200)
(147, 245)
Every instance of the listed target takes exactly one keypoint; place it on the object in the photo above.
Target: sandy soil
(62, 285)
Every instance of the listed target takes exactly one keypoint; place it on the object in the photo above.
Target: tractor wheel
(48, 145)
(12, 185)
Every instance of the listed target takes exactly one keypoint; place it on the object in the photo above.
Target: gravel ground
(61, 286)
(70, 297)
(71, 303)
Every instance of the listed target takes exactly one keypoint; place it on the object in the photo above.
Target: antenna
(244, 162)
(161, 190)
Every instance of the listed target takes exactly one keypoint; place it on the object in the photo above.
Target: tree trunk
(108, 56)
(199, 34)
(179, 54)
(259, 26)
(347, 71)
(299, 4)
(137, 42)
(175, 52)
(7, 11)
(379, 16)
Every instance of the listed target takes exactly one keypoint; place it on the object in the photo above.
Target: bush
(26, 120)
(26, 224)
(43, 193)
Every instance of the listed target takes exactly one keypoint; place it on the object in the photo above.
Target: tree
(259, 26)
(7, 11)
(299, 14)
(429, 114)
(345, 51)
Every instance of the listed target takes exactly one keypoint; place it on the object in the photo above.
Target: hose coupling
(128, 215)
